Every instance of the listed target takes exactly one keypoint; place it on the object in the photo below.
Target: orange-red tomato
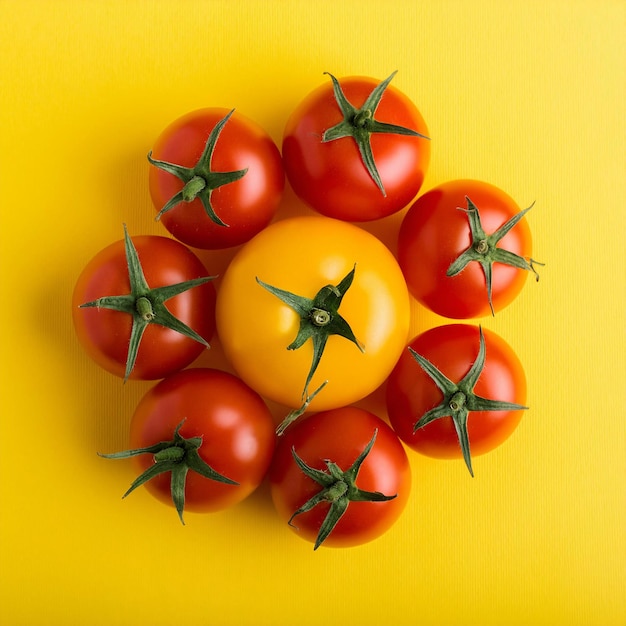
(436, 231)
(235, 425)
(331, 176)
(246, 205)
(453, 349)
(105, 333)
(340, 436)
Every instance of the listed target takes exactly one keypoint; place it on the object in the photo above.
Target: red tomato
(105, 333)
(331, 175)
(338, 437)
(436, 231)
(235, 428)
(245, 202)
(453, 349)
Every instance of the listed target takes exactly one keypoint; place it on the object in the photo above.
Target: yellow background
(527, 95)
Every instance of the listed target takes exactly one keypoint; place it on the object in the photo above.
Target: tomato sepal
(484, 248)
(292, 416)
(338, 487)
(146, 305)
(359, 123)
(178, 456)
(319, 319)
(200, 180)
(459, 398)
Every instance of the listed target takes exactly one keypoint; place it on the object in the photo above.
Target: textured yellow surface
(528, 95)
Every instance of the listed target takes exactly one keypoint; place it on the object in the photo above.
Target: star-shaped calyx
(200, 180)
(146, 305)
(339, 488)
(359, 123)
(484, 248)
(178, 456)
(319, 318)
(459, 398)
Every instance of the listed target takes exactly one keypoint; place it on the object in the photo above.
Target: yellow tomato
(302, 255)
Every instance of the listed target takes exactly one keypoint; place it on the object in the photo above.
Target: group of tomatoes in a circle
(312, 313)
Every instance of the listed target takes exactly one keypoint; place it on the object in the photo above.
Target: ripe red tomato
(364, 503)
(239, 178)
(437, 231)
(220, 420)
(106, 334)
(344, 154)
(486, 409)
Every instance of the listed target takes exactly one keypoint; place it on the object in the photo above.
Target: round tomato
(312, 299)
(217, 178)
(202, 439)
(457, 388)
(340, 477)
(465, 249)
(143, 308)
(347, 152)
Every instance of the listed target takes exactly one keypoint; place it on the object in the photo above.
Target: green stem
(336, 491)
(144, 308)
(320, 317)
(193, 188)
(482, 247)
(457, 401)
(362, 118)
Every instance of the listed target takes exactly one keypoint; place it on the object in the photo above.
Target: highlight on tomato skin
(453, 350)
(465, 249)
(338, 437)
(219, 195)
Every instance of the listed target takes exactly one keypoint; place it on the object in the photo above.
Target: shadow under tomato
(259, 502)
(98, 406)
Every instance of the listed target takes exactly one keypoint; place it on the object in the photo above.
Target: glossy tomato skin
(453, 348)
(105, 334)
(235, 424)
(246, 205)
(302, 255)
(435, 231)
(331, 177)
(340, 435)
